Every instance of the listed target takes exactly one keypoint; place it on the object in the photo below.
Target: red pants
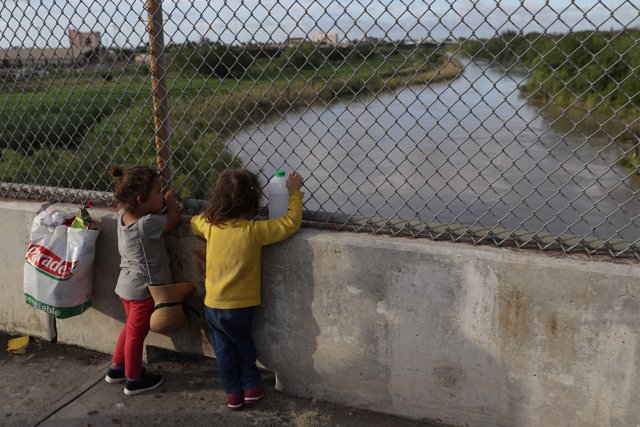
(128, 350)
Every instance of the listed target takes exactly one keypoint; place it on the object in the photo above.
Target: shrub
(223, 61)
(303, 57)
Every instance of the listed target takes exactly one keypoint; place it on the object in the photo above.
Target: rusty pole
(159, 89)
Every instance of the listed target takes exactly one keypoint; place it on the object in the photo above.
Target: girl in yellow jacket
(232, 282)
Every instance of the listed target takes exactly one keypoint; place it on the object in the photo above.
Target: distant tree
(591, 67)
(364, 52)
(509, 33)
(223, 61)
(303, 57)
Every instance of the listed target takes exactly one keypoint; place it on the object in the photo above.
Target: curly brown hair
(236, 195)
(131, 183)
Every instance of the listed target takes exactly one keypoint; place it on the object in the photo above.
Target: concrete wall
(465, 335)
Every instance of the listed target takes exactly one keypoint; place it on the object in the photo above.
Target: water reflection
(472, 151)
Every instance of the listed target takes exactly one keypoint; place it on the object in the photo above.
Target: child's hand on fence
(172, 209)
(294, 181)
(169, 194)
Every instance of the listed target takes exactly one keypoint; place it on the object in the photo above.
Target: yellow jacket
(233, 261)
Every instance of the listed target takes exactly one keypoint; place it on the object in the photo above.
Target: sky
(44, 23)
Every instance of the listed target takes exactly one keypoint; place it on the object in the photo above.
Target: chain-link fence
(505, 122)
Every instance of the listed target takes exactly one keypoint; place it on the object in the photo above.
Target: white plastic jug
(278, 195)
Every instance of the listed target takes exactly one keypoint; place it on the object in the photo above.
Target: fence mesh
(504, 122)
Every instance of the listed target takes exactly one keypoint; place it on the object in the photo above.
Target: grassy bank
(67, 131)
(586, 71)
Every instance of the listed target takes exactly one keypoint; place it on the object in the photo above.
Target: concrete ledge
(468, 335)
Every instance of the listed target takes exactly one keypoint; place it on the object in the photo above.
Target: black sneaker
(146, 383)
(115, 376)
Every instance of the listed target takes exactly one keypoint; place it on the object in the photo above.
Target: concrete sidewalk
(57, 385)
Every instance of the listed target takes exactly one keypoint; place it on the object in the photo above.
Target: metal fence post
(159, 89)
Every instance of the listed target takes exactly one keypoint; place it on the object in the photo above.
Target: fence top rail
(435, 230)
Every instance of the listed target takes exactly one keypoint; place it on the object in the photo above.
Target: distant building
(25, 62)
(294, 41)
(83, 42)
(271, 45)
(410, 42)
(326, 38)
(142, 58)
(25, 57)
(369, 40)
(421, 42)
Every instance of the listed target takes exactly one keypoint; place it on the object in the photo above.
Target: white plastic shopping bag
(58, 269)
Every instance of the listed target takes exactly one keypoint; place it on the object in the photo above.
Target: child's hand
(169, 194)
(294, 181)
(173, 211)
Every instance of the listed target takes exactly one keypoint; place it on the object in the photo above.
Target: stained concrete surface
(55, 385)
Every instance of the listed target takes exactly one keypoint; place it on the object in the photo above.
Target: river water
(471, 150)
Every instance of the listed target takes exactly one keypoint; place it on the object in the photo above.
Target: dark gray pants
(230, 331)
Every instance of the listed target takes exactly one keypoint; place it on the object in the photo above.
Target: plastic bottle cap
(279, 173)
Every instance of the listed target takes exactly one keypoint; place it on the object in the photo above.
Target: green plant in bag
(83, 220)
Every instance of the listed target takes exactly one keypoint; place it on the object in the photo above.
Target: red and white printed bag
(58, 269)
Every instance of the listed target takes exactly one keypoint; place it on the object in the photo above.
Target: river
(472, 150)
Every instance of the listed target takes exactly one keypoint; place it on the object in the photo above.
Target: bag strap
(144, 254)
(185, 307)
